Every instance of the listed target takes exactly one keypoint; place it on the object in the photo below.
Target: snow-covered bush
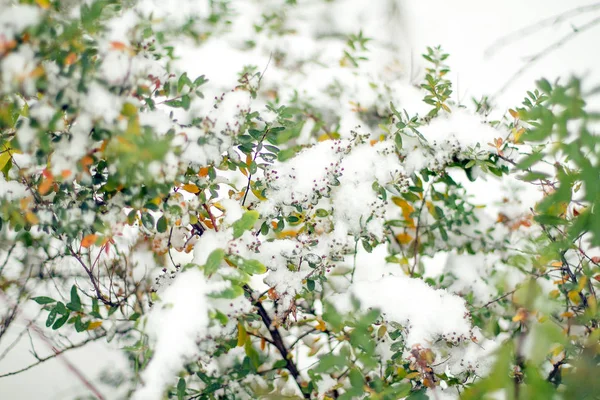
(254, 201)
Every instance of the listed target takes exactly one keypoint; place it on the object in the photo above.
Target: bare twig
(545, 51)
(537, 26)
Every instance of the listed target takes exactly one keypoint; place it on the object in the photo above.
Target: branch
(277, 341)
(56, 354)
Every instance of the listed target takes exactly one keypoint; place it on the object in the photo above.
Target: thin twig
(544, 52)
(537, 26)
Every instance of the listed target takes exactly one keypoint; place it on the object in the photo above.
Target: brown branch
(277, 340)
(93, 281)
(211, 216)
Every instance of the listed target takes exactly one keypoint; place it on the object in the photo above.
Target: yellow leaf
(4, 156)
(43, 3)
(520, 316)
(381, 331)
(191, 188)
(407, 210)
(31, 218)
(287, 234)
(582, 282)
(574, 296)
(320, 325)
(94, 325)
(242, 335)
(412, 375)
(567, 314)
(514, 114)
(258, 194)
(556, 264)
(404, 238)
(88, 240)
(554, 294)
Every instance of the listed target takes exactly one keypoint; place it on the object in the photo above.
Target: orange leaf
(46, 184)
(567, 314)
(118, 45)
(263, 343)
(203, 172)
(404, 238)
(86, 161)
(514, 114)
(88, 240)
(70, 58)
(65, 173)
(191, 188)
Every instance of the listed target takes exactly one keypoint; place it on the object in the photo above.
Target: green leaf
(532, 176)
(230, 293)
(75, 304)
(245, 223)
(161, 224)
(51, 317)
(398, 141)
(213, 261)
(252, 267)
(530, 160)
(321, 213)
(148, 220)
(545, 219)
(60, 322)
(181, 389)
(544, 85)
(43, 300)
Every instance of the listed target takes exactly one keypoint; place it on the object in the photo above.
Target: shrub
(310, 231)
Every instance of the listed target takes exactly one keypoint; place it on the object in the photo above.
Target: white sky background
(464, 28)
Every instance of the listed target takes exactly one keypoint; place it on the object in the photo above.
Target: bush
(309, 232)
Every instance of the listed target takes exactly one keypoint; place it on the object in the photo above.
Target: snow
(15, 18)
(426, 313)
(175, 324)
